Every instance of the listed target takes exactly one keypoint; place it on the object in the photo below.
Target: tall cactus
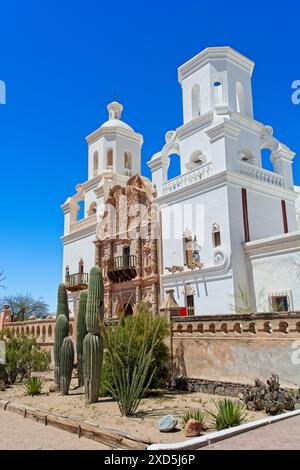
(61, 327)
(66, 365)
(62, 301)
(80, 335)
(93, 342)
(61, 332)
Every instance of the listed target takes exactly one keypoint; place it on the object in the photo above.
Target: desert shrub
(23, 355)
(41, 360)
(197, 415)
(34, 386)
(131, 357)
(121, 335)
(229, 413)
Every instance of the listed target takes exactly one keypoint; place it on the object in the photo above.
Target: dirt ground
(106, 412)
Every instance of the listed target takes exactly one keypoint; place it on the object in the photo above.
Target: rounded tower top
(114, 113)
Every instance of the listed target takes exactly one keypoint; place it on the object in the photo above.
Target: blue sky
(62, 62)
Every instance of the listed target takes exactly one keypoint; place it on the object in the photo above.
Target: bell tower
(216, 80)
(114, 148)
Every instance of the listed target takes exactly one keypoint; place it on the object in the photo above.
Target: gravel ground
(18, 433)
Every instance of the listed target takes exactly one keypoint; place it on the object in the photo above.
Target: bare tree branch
(23, 306)
(2, 278)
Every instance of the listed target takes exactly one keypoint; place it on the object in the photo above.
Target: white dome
(117, 123)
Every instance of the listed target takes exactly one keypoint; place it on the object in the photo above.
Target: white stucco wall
(276, 273)
(83, 247)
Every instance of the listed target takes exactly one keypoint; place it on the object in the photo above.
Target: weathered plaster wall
(238, 349)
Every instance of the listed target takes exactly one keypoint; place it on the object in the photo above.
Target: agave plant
(34, 386)
(229, 413)
(197, 415)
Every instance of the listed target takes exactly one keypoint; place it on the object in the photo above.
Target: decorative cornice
(279, 244)
(158, 161)
(104, 131)
(79, 234)
(224, 129)
(283, 153)
(195, 125)
(211, 54)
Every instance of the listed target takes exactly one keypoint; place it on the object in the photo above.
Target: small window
(109, 159)
(218, 92)
(240, 98)
(280, 303)
(80, 266)
(190, 305)
(196, 105)
(127, 161)
(216, 235)
(95, 163)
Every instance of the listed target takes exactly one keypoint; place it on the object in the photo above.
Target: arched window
(174, 167)
(109, 159)
(95, 163)
(266, 161)
(128, 163)
(216, 235)
(196, 103)
(218, 92)
(92, 209)
(240, 98)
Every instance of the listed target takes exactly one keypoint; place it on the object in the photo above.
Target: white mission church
(228, 238)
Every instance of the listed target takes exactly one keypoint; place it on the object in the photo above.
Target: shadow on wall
(179, 368)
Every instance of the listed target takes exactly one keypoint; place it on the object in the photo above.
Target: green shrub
(197, 415)
(34, 386)
(122, 334)
(131, 357)
(229, 413)
(41, 360)
(23, 355)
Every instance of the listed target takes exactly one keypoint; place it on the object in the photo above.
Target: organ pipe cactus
(66, 365)
(80, 335)
(62, 301)
(93, 342)
(61, 332)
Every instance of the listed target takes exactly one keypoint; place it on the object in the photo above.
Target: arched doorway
(125, 309)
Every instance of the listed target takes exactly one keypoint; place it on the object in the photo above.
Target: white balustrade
(83, 223)
(261, 174)
(188, 178)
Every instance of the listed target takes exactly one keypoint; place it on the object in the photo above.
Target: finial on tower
(114, 110)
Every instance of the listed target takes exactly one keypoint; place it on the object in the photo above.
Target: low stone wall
(42, 330)
(236, 349)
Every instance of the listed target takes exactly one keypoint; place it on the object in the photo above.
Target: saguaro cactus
(61, 332)
(80, 335)
(61, 327)
(93, 342)
(66, 365)
(62, 301)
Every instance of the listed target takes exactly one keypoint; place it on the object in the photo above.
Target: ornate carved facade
(127, 248)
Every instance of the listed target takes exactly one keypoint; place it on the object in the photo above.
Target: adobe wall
(237, 348)
(41, 329)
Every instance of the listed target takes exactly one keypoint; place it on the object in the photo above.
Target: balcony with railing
(261, 174)
(83, 223)
(188, 178)
(78, 281)
(121, 268)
